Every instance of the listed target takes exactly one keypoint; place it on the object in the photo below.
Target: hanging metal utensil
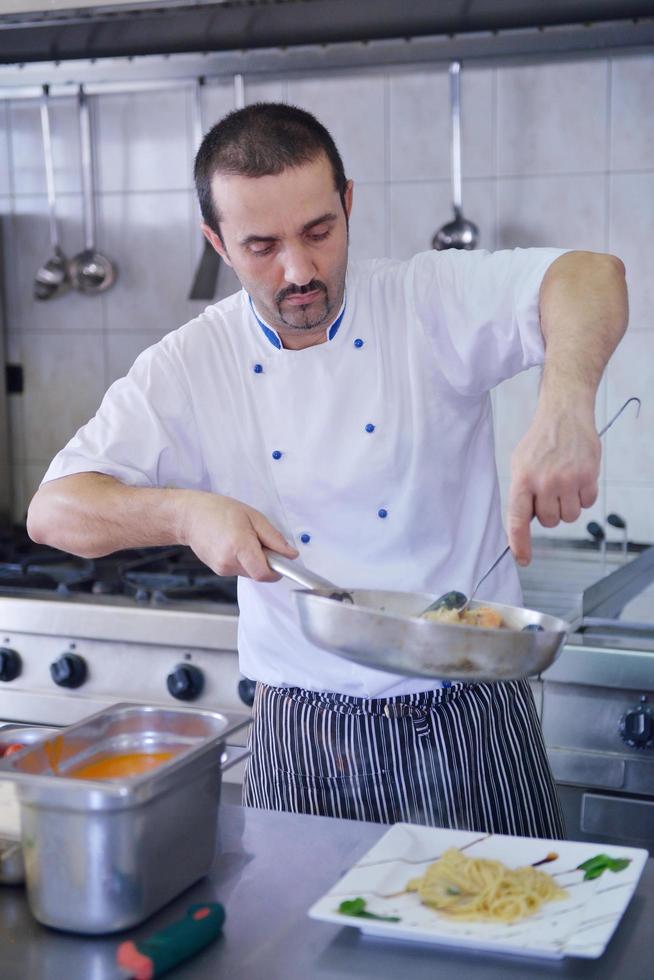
(90, 271)
(205, 280)
(52, 278)
(459, 233)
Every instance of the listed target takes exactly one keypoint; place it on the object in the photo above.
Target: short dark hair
(259, 141)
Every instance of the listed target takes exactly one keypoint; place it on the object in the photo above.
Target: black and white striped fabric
(469, 757)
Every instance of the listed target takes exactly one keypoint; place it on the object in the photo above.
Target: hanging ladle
(90, 271)
(205, 279)
(52, 278)
(459, 233)
(458, 601)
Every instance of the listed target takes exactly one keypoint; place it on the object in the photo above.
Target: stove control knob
(10, 664)
(637, 726)
(246, 689)
(185, 682)
(69, 670)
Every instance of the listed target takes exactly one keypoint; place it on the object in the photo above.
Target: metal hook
(619, 412)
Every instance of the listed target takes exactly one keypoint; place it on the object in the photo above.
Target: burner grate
(160, 575)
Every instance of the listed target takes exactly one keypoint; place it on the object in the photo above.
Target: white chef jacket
(372, 452)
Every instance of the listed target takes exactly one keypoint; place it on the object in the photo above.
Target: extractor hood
(57, 30)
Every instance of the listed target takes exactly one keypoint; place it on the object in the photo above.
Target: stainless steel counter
(272, 867)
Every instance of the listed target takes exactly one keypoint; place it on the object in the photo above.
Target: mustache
(315, 284)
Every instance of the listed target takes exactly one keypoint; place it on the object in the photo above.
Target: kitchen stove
(157, 626)
(158, 575)
(148, 625)
(596, 701)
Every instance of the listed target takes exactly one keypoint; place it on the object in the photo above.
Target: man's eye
(319, 236)
(266, 250)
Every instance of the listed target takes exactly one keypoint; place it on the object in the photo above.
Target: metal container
(12, 868)
(102, 855)
(26, 735)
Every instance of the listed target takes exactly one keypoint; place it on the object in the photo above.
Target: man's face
(285, 236)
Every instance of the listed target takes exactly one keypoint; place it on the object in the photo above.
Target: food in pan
(482, 889)
(482, 616)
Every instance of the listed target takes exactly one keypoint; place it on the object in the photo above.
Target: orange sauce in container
(120, 766)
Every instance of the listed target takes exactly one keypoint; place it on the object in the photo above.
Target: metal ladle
(459, 233)
(90, 271)
(458, 601)
(206, 275)
(52, 278)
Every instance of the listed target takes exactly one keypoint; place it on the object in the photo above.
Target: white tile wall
(629, 443)
(552, 118)
(631, 235)
(553, 154)
(368, 237)
(566, 211)
(151, 237)
(144, 140)
(64, 384)
(419, 124)
(26, 147)
(352, 107)
(632, 94)
(266, 90)
(217, 100)
(5, 167)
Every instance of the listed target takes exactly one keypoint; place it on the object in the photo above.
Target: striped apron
(469, 756)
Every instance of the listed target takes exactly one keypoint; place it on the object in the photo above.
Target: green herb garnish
(596, 866)
(357, 907)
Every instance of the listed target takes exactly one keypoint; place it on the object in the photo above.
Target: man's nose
(298, 265)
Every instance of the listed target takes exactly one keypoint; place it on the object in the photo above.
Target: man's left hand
(554, 473)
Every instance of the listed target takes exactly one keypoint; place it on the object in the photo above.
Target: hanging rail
(484, 49)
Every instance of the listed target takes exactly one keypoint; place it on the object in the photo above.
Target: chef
(339, 413)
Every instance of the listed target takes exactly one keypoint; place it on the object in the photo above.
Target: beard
(307, 317)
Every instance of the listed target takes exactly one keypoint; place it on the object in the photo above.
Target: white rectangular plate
(579, 925)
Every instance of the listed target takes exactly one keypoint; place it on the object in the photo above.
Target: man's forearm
(584, 312)
(91, 514)
(555, 467)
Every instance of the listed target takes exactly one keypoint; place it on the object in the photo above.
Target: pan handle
(291, 569)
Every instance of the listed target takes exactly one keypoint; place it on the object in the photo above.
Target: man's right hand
(229, 536)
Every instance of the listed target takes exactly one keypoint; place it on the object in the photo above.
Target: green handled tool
(149, 958)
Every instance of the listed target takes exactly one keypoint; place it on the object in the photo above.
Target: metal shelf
(177, 42)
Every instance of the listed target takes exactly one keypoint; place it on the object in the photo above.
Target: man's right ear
(214, 240)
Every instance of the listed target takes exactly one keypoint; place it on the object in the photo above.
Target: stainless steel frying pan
(383, 630)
